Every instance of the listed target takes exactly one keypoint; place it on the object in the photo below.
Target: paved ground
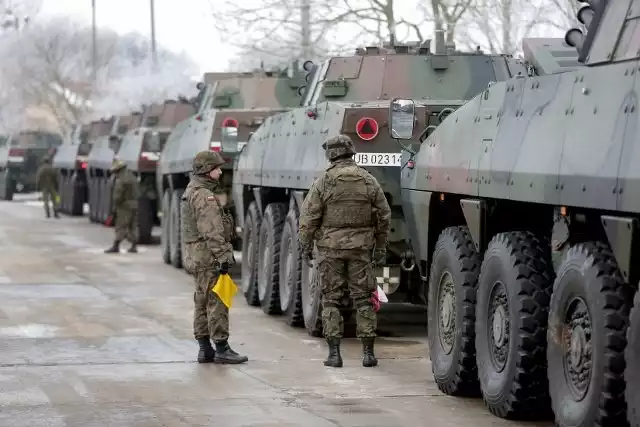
(88, 339)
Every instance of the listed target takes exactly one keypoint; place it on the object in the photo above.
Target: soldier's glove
(380, 256)
(224, 268)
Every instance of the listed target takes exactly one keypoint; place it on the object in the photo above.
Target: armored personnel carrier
(70, 161)
(140, 151)
(21, 157)
(345, 95)
(99, 162)
(230, 106)
(522, 214)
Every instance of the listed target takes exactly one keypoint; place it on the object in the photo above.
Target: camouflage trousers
(50, 196)
(210, 315)
(126, 225)
(352, 273)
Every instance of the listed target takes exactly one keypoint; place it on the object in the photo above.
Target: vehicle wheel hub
(577, 343)
(498, 321)
(447, 312)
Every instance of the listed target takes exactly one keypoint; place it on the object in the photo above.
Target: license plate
(378, 159)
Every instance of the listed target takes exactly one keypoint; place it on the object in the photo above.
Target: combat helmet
(116, 165)
(338, 146)
(206, 161)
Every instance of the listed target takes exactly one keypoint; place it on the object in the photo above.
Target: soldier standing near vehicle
(124, 207)
(47, 183)
(348, 216)
(208, 230)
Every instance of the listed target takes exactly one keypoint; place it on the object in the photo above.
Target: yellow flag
(56, 198)
(226, 289)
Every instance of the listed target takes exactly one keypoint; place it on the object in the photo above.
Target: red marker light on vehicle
(229, 123)
(411, 164)
(83, 165)
(199, 118)
(367, 128)
(215, 146)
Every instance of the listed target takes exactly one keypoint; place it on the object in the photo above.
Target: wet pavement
(88, 339)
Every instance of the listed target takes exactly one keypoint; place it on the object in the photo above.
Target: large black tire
(451, 312)
(588, 320)
(512, 311)
(175, 235)
(291, 272)
(77, 190)
(145, 220)
(250, 246)
(166, 227)
(311, 297)
(632, 370)
(103, 201)
(269, 259)
(107, 194)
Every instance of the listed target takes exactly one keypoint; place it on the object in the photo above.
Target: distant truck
(99, 162)
(20, 157)
(230, 106)
(70, 162)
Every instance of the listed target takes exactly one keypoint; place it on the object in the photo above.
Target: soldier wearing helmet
(347, 215)
(207, 232)
(124, 207)
(47, 183)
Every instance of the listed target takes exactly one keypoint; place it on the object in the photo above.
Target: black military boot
(114, 249)
(368, 358)
(207, 353)
(224, 354)
(133, 249)
(56, 214)
(334, 359)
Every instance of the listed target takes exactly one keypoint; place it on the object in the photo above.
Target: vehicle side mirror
(229, 139)
(402, 115)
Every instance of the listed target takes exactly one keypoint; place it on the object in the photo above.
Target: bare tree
(446, 15)
(498, 25)
(274, 32)
(52, 68)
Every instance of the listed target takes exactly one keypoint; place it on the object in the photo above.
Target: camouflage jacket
(207, 228)
(345, 209)
(125, 191)
(47, 178)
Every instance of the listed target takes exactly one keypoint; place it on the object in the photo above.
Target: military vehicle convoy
(522, 208)
(230, 106)
(140, 150)
(345, 95)
(99, 162)
(20, 157)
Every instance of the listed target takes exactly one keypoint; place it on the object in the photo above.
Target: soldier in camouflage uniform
(124, 207)
(348, 216)
(207, 231)
(47, 182)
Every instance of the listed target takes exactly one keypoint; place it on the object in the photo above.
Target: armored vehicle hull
(70, 161)
(522, 209)
(99, 161)
(141, 150)
(283, 157)
(20, 159)
(230, 108)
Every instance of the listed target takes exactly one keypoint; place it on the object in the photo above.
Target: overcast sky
(181, 25)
